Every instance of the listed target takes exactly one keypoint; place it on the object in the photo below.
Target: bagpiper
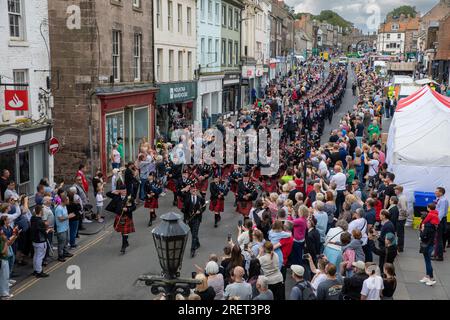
(183, 186)
(234, 179)
(219, 191)
(123, 207)
(247, 193)
(152, 189)
(202, 174)
(173, 176)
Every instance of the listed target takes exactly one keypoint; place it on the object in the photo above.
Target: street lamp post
(170, 238)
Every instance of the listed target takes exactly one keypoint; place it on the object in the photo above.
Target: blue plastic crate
(422, 199)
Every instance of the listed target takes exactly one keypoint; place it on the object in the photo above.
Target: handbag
(423, 247)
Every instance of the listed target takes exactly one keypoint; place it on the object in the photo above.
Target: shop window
(141, 128)
(114, 129)
(24, 171)
(8, 161)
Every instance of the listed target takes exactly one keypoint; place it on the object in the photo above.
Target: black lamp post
(170, 238)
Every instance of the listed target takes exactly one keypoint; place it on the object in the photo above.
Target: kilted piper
(247, 193)
(152, 190)
(219, 191)
(123, 207)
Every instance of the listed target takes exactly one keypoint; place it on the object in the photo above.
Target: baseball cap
(359, 264)
(298, 270)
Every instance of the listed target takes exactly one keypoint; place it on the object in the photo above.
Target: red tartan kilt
(257, 173)
(244, 207)
(234, 187)
(171, 185)
(125, 228)
(217, 205)
(179, 203)
(270, 188)
(202, 186)
(152, 203)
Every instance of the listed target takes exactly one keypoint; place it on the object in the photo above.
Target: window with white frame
(137, 56)
(180, 18)
(388, 36)
(224, 52)
(15, 14)
(216, 51)
(202, 9)
(210, 50)
(399, 35)
(188, 20)
(170, 65)
(189, 65)
(210, 11)
(202, 51)
(20, 77)
(170, 15)
(236, 53)
(224, 15)
(236, 19)
(137, 4)
(217, 16)
(394, 26)
(230, 53)
(116, 54)
(158, 14)
(230, 18)
(180, 65)
(159, 61)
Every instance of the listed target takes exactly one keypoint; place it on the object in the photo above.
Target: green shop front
(175, 106)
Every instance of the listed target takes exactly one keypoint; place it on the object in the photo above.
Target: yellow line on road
(30, 283)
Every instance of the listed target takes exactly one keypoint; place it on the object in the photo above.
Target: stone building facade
(104, 89)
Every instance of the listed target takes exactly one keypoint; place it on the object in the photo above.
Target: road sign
(16, 100)
(53, 146)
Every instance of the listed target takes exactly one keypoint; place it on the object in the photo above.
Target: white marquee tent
(418, 146)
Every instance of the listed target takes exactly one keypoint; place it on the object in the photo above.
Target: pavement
(98, 271)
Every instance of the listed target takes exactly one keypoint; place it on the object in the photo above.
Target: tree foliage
(405, 10)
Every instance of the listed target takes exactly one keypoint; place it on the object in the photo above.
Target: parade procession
(213, 155)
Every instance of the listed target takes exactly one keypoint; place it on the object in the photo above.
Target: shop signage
(176, 92)
(231, 78)
(259, 71)
(248, 72)
(53, 147)
(16, 100)
(8, 141)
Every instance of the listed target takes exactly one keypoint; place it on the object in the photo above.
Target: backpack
(306, 290)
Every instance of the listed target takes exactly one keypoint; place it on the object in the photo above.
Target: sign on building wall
(248, 72)
(16, 100)
(176, 92)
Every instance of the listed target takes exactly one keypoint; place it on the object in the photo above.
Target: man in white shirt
(360, 223)
(340, 180)
(373, 166)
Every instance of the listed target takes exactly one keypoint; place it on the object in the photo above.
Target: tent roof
(420, 131)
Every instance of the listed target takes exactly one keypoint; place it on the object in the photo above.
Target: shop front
(209, 97)
(259, 73)
(175, 106)
(129, 115)
(248, 83)
(231, 93)
(25, 153)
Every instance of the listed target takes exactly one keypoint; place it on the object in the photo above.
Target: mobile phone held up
(193, 275)
(229, 237)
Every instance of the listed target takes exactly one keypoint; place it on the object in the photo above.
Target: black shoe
(215, 225)
(122, 250)
(192, 253)
(439, 259)
(42, 275)
(68, 255)
(150, 223)
(61, 259)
